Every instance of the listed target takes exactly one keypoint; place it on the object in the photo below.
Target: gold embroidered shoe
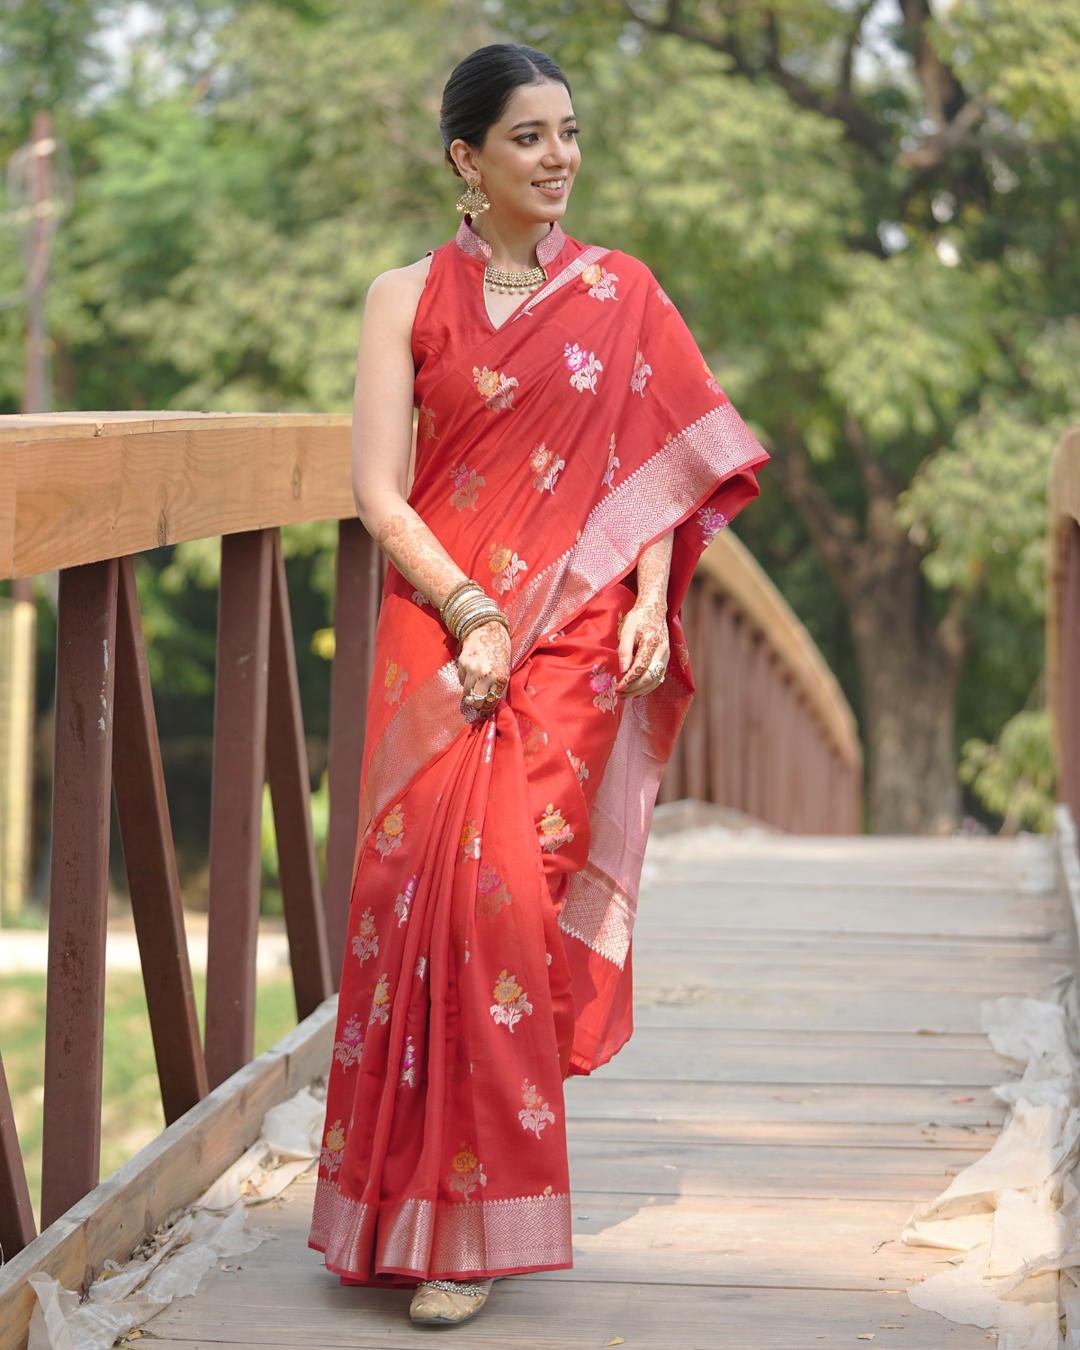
(448, 1300)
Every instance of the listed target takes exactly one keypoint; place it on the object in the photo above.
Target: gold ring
(491, 696)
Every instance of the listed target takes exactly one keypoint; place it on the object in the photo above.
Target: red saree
(498, 860)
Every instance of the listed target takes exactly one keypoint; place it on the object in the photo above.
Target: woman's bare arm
(645, 634)
(381, 446)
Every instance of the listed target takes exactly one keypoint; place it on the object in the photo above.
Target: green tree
(870, 222)
(868, 217)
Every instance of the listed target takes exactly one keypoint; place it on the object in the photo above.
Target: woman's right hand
(484, 665)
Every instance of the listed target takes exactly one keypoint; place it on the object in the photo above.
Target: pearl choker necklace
(512, 283)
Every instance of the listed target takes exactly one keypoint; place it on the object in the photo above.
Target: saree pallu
(498, 859)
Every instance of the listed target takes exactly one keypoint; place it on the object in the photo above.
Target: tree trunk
(909, 662)
(909, 672)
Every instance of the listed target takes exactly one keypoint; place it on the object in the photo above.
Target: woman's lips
(549, 191)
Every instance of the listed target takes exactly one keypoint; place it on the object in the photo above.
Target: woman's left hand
(643, 647)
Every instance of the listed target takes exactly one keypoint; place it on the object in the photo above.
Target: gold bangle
(456, 591)
(496, 616)
(469, 608)
(457, 601)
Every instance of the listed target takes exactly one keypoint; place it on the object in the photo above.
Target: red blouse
(452, 319)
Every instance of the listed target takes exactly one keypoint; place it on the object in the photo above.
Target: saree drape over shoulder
(498, 859)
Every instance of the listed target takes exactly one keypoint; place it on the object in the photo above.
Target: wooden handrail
(731, 565)
(81, 487)
(769, 734)
(1063, 611)
(82, 493)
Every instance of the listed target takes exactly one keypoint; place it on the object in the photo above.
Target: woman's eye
(571, 132)
(528, 138)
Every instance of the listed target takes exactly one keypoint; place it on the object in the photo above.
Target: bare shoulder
(393, 296)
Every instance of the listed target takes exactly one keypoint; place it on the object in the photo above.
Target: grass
(131, 1114)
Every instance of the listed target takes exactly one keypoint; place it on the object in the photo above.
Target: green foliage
(131, 1099)
(259, 163)
(1014, 778)
(984, 505)
(906, 344)
(1021, 58)
(320, 822)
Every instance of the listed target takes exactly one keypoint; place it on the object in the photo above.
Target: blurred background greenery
(867, 212)
(131, 1098)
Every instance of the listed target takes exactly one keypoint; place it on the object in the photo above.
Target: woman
(573, 457)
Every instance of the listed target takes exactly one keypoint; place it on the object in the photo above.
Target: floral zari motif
(333, 1147)
(581, 772)
(533, 736)
(711, 522)
(505, 565)
(366, 942)
(409, 1067)
(470, 841)
(426, 427)
(536, 1112)
(380, 1003)
(491, 893)
(468, 1173)
(612, 464)
(600, 282)
(467, 484)
(583, 367)
(495, 388)
(554, 831)
(546, 466)
(711, 380)
(390, 834)
(640, 375)
(350, 1047)
(511, 1002)
(403, 904)
(394, 681)
(603, 684)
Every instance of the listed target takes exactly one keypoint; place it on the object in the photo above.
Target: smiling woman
(574, 457)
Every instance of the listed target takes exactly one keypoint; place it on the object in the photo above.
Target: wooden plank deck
(807, 1019)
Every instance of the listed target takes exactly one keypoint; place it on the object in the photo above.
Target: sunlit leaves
(1015, 776)
(1022, 58)
(980, 507)
(906, 344)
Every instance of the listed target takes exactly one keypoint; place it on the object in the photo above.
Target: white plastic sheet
(175, 1260)
(1015, 1213)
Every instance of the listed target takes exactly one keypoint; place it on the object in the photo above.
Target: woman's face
(529, 160)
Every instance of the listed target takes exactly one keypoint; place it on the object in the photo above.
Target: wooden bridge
(807, 1062)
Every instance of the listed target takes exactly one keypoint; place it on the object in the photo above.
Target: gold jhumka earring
(473, 200)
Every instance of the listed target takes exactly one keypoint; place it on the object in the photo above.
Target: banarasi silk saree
(488, 953)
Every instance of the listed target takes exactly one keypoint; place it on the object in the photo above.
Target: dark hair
(479, 91)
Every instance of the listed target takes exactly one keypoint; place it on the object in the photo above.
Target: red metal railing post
(236, 799)
(290, 791)
(16, 1214)
(143, 813)
(78, 891)
(356, 609)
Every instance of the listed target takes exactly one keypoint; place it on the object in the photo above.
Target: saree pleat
(446, 1064)
(498, 860)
